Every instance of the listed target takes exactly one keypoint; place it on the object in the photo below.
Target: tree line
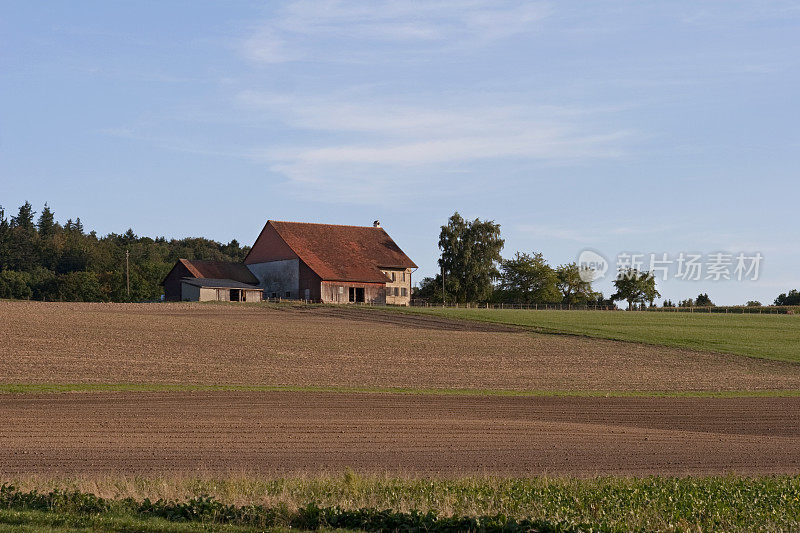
(42, 259)
(475, 271)
(472, 270)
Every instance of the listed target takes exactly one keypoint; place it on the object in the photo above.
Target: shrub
(15, 285)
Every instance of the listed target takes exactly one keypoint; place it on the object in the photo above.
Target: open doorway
(236, 295)
(356, 294)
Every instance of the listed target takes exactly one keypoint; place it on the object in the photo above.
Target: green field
(766, 336)
(353, 502)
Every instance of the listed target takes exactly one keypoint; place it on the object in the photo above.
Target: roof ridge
(190, 267)
(324, 224)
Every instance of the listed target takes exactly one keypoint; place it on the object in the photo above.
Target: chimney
(376, 224)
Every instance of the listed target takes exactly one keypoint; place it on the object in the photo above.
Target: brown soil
(334, 347)
(213, 433)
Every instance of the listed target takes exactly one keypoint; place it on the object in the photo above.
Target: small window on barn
(341, 289)
(287, 294)
(273, 295)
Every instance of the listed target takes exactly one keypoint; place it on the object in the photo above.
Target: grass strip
(59, 388)
(61, 522)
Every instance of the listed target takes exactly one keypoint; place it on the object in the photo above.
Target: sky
(619, 127)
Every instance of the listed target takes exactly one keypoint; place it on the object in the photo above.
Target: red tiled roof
(219, 270)
(343, 253)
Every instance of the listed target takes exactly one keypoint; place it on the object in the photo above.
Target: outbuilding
(222, 290)
(201, 281)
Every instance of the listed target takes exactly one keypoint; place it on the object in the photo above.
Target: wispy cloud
(378, 142)
(305, 30)
(594, 234)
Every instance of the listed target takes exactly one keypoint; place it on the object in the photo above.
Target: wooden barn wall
(374, 293)
(253, 296)
(309, 280)
(172, 283)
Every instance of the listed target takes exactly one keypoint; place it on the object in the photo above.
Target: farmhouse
(202, 281)
(330, 263)
(303, 261)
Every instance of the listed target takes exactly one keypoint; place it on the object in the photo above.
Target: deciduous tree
(703, 300)
(635, 287)
(470, 255)
(790, 298)
(528, 279)
(573, 288)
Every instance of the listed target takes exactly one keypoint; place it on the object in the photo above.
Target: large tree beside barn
(470, 258)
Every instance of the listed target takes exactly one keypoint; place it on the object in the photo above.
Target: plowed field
(336, 348)
(332, 347)
(289, 432)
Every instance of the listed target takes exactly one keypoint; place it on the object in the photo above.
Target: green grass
(765, 336)
(57, 522)
(61, 388)
(730, 503)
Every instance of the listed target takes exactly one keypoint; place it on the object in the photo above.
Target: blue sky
(660, 127)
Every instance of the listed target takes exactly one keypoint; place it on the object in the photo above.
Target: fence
(532, 307)
(736, 309)
(768, 309)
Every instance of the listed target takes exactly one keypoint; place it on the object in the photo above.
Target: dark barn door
(356, 294)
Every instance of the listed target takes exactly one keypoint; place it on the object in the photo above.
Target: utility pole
(444, 299)
(128, 273)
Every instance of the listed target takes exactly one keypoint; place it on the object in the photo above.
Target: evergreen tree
(23, 254)
(46, 223)
(24, 218)
(5, 240)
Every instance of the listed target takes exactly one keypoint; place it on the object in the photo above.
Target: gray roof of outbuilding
(218, 283)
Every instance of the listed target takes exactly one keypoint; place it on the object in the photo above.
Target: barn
(330, 263)
(200, 281)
